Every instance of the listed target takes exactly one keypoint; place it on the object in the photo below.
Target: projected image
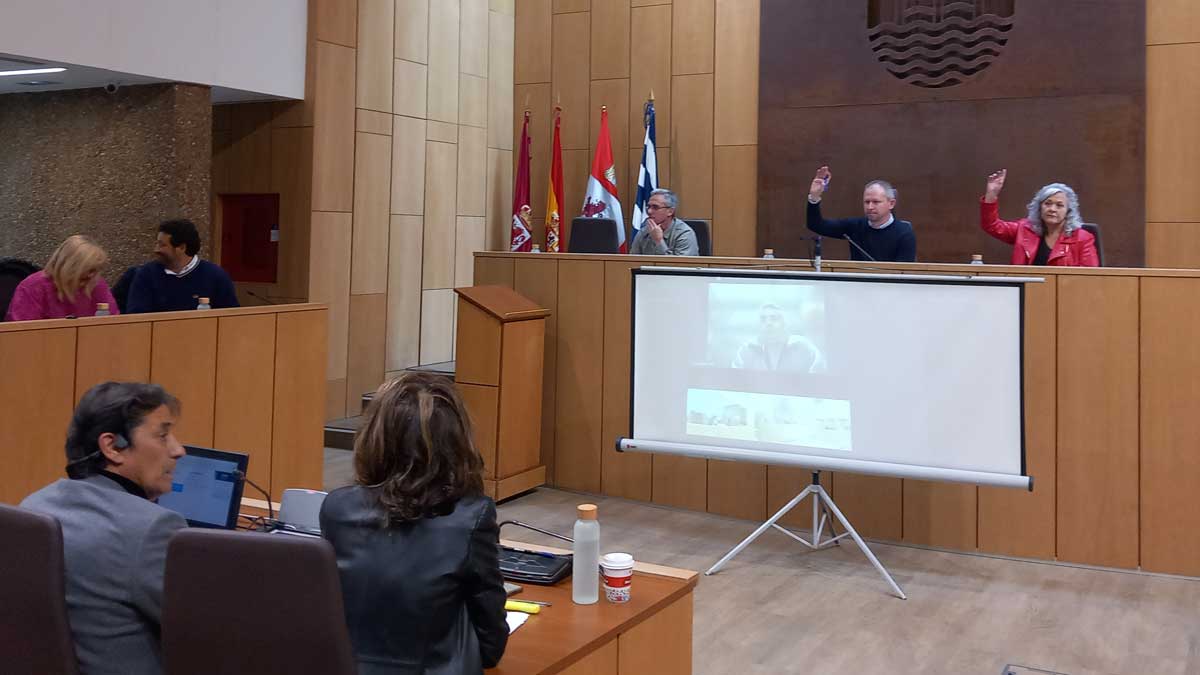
(772, 327)
(769, 418)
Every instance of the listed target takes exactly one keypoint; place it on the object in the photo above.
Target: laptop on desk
(207, 487)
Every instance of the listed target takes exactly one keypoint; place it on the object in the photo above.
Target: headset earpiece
(120, 442)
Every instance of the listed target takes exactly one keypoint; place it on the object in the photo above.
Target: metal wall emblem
(938, 43)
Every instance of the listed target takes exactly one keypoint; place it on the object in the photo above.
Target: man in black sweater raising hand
(878, 235)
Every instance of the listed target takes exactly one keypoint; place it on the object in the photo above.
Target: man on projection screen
(775, 348)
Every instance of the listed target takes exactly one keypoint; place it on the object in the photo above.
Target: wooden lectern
(499, 348)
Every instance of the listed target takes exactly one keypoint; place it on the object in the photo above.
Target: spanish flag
(554, 196)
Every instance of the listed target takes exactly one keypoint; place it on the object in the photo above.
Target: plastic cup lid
(617, 561)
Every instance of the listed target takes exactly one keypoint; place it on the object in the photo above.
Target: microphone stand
(860, 249)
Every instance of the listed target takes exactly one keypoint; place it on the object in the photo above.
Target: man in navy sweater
(177, 278)
(878, 236)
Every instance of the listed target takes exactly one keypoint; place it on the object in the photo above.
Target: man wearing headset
(121, 453)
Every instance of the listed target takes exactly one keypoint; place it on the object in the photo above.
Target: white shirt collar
(186, 268)
(891, 219)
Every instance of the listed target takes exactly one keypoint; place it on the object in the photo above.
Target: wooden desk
(1112, 366)
(250, 379)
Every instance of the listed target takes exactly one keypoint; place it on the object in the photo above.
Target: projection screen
(895, 375)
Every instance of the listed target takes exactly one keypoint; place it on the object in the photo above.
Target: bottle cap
(768, 251)
(204, 301)
(101, 305)
(587, 511)
(976, 256)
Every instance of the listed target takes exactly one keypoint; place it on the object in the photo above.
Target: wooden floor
(779, 608)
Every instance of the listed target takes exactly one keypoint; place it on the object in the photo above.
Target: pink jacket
(36, 298)
(1077, 249)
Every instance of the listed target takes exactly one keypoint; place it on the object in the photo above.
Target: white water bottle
(976, 259)
(585, 569)
(203, 304)
(769, 253)
(102, 309)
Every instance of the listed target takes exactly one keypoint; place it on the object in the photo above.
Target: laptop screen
(207, 487)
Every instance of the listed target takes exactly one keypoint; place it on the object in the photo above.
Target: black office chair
(241, 602)
(120, 290)
(703, 235)
(1095, 230)
(12, 272)
(35, 636)
(593, 235)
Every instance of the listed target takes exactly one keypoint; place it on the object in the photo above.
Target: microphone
(860, 249)
(817, 253)
(246, 479)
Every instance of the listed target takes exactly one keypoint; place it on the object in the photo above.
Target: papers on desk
(515, 620)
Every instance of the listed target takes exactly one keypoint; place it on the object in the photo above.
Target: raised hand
(995, 183)
(820, 181)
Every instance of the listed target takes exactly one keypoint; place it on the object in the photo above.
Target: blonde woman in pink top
(70, 286)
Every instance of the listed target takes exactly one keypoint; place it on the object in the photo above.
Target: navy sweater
(154, 290)
(895, 243)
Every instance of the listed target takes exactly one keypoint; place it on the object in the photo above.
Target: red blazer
(1077, 249)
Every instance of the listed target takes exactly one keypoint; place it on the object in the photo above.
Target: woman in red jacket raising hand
(1051, 234)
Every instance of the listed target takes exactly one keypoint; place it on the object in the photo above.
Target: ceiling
(84, 77)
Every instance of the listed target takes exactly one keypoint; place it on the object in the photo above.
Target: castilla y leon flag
(601, 200)
(522, 238)
(554, 196)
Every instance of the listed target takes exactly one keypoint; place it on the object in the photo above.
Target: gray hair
(1073, 221)
(669, 197)
(887, 188)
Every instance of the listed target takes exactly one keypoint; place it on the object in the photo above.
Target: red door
(250, 237)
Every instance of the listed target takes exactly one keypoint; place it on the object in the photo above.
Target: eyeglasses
(656, 207)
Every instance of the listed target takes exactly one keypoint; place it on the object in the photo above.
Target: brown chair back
(241, 602)
(35, 636)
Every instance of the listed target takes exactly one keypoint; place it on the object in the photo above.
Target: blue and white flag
(648, 174)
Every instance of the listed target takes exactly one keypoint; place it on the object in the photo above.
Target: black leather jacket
(424, 597)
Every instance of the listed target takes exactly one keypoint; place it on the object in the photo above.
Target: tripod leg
(762, 528)
(861, 544)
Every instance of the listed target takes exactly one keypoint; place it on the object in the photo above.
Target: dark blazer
(115, 550)
(423, 597)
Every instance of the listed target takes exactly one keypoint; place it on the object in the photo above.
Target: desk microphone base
(821, 502)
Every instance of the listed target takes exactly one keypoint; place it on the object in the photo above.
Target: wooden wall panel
(580, 375)
(615, 95)
(35, 407)
(244, 391)
(541, 133)
(735, 118)
(335, 21)
(538, 280)
(940, 514)
(473, 101)
(410, 84)
(329, 282)
(247, 159)
(118, 352)
(472, 171)
(473, 36)
(297, 429)
(1172, 21)
(610, 40)
(1173, 245)
(408, 166)
(404, 293)
(444, 24)
(874, 505)
(566, 6)
(650, 50)
(783, 484)
(499, 198)
(735, 201)
(501, 52)
(533, 24)
(520, 442)
(625, 474)
(1170, 466)
(192, 342)
(1016, 522)
(1097, 427)
(471, 236)
(437, 326)
(681, 482)
(376, 23)
(494, 272)
(693, 37)
(291, 177)
(1172, 140)
(691, 142)
(372, 191)
(441, 171)
(333, 129)
(412, 30)
(737, 489)
(368, 332)
(577, 164)
(571, 77)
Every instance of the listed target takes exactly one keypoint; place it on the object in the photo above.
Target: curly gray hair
(1074, 221)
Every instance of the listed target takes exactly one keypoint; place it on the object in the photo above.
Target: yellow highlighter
(518, 606)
